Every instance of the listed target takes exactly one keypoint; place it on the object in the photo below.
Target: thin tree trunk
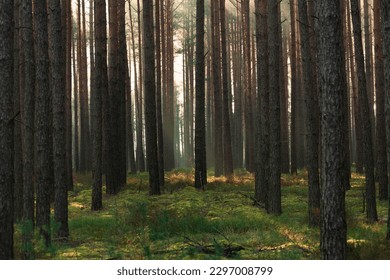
(140, 158)
(386, 55)
(312, 112)
(293, 93)
(274, 189)
(67, 26)
(200, 122)
(364, 109)
(227, 141)
(218, 151)
(160, 134)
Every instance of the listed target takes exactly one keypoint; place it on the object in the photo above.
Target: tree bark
(43, 115)
(100, 91)
(6, 130)
(386, 55)
(332, 82)
(293, 63)
(381, 160)
(150, 98)
(274, 188)
(28, 90)
(218, 151)
(158, 96)
(200, 121)
(262, 161)
(227, 140)
(57, 76)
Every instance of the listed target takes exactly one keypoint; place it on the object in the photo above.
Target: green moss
(184, 223)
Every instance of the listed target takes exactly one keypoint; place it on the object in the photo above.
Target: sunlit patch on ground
(219, 222)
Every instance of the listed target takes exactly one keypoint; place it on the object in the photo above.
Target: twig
(255, 201)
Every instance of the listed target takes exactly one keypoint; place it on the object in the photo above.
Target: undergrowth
(219, 222)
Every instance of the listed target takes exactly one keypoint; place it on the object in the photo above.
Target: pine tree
(6, 130)
(332, 82)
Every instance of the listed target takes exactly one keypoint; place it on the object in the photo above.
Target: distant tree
(6, 130)
(83, 88)
(200, 125)
(67, 36)
(227, 139)
(274, 188)
(332, 82)
(159, 95)
(312, 112)
(43, 115)
(293, 65)
(364, 110)
(386, 55)
(122, 74)
(150, 98)
(247, 93)
(216, 70)
(140, 157)
(57, 82)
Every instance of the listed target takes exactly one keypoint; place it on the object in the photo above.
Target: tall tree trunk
(364, 109)
(140, 158)
(249, 144)
(274, 189)
(332, 82)
(28, 90)
(200, 121)
(83, 88)
(18, 100)
(76, 114)
(101, 90)
(369, 65)
(263, 144)
(160, 134)
(218, 151)
(6, 130)
(43, 114)
(381, 161)
(293, 63)
(284, 103)
(312, 112)
(386, 55)
(150, 98)
(57, 76)
(67, 29)
(227, 140)
(122, 63)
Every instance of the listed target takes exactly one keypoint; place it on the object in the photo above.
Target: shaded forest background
(215, 89)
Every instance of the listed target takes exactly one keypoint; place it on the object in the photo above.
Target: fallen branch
(255, 201)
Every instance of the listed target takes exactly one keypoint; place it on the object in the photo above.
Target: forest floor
(220, 222)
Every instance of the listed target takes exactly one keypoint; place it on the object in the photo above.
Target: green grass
(217, 223)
